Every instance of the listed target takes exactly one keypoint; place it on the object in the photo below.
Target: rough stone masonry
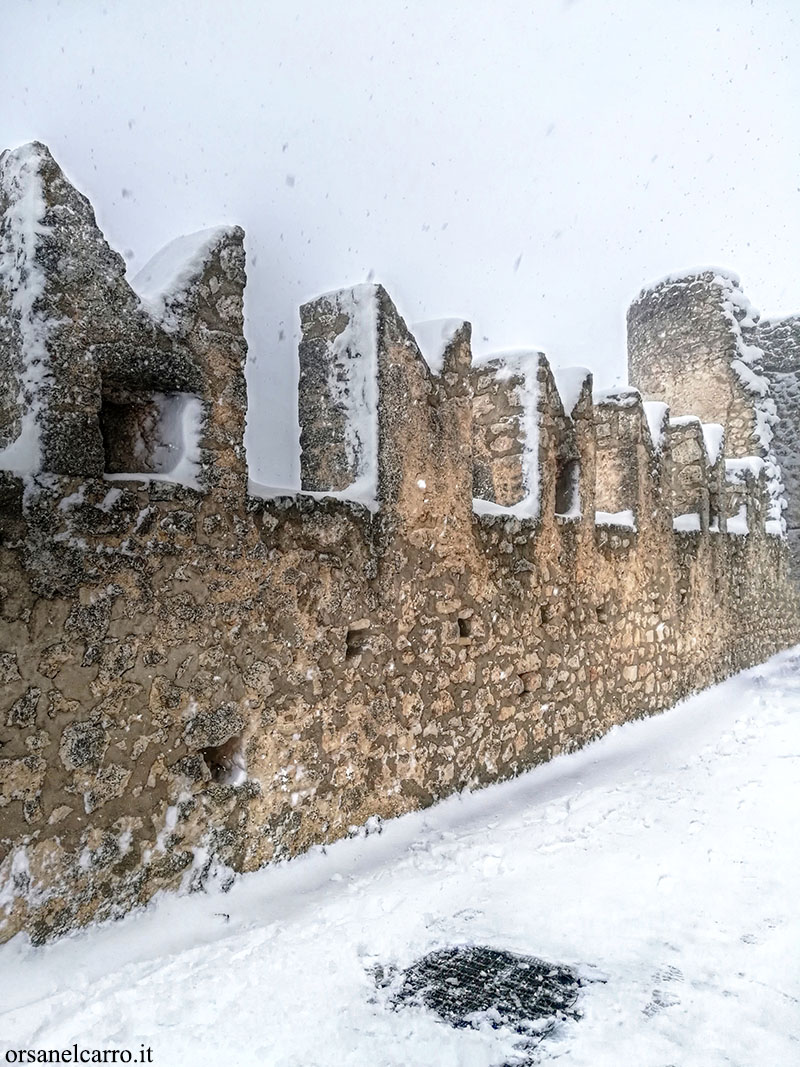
(486, 565)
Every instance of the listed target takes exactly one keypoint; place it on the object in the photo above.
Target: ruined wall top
(104, 378)
(691, 343)
(96, 378)
(779, 339)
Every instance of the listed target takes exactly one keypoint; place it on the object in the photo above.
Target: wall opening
(357, 639)
(568, 487)
(464, 626)
(149, 432)
(226, 762)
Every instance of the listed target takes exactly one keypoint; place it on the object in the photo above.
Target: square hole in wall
(357, 639)
(150, 432)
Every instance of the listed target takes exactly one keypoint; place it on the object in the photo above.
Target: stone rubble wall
(198, 681)
(779, 340)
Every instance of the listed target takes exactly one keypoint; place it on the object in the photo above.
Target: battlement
(96, 378)
(487, 562)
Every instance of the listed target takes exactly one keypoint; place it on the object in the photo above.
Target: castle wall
(198, 680)
(779, 340)
(183, 683)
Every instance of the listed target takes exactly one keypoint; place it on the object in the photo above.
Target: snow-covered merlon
(657, 415)
(379, 402)
(379, 423)
(363, 384)
(434, 337)
(572, 383)
(338, 395)
(620, 396)
(507, 410)
(659, 423)
(710, 434)
(166, 284)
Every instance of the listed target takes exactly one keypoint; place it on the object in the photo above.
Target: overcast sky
(528, 166)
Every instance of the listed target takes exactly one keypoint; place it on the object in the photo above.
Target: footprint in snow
(663, 998)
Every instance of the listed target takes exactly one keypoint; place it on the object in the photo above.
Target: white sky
(526, 165)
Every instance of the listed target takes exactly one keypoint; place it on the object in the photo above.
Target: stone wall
(198, 678)
(779, 340)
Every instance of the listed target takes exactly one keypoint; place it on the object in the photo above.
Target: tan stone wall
(197, 680)
(780, 342)
(152, 645)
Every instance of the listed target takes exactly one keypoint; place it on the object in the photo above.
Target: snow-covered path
(663, 859)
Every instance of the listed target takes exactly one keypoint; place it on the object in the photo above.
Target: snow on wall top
(714, 439)
(736, 469)
(433, 338)
(569, 383)
(165, 279)
(23, 282)
(622, 396)
(657, 415)
(688, 277)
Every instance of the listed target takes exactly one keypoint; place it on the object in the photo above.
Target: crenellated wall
(485, 566)
(779, 340)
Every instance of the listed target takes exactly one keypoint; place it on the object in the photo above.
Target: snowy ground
(663, 859)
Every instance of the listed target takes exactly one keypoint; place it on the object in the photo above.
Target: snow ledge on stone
(165, 279)
(433, 338)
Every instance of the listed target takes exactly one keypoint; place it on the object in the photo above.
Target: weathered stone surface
(780, 341)
(82, 744)
(684, 338)
(212, 728)
(694, 343)
(92, 378)
(196, 677)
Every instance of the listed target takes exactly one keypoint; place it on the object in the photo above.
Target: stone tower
(692, 342)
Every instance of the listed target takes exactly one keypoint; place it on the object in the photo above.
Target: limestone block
(82, 744)
(214, 727)
(109, 782)
(22, 713)
(21, 779)
(9, 671)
